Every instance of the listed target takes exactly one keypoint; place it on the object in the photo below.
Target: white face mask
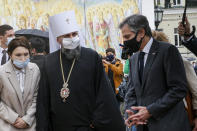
(71, 43)
(9, 39)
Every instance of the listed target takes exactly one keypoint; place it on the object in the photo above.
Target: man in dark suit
(190, 42)
(157, 80)
(38, 51)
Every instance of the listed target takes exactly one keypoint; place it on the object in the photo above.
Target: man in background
(6, 35)
(38, 50)
(114, 70)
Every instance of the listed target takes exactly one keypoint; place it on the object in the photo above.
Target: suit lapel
(14, 81)
(28, 81)
(150, 59)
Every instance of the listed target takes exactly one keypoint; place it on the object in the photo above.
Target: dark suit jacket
(162, 90)
(191, 45)
(38, 60)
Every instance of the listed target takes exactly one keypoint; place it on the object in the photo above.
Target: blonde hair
(160, 36)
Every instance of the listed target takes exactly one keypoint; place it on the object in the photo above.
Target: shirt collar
(19, 71)
(148, 46)
(3, 49)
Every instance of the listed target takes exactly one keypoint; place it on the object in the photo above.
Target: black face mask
(125, 53)
(133, 44)
(110, 58)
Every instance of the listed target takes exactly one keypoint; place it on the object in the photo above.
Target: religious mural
(98, 19)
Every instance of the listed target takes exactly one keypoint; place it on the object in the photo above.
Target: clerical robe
(91, 105)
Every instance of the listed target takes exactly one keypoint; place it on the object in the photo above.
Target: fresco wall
(98, 19)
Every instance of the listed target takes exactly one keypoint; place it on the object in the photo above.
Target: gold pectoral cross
(64, 93)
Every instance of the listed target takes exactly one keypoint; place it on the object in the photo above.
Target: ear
(141, 34)
(1, 37)
(59, 40)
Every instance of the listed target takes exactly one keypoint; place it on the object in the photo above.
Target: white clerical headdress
(61, 24)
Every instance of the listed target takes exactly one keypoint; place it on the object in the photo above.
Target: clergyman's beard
(70, 54)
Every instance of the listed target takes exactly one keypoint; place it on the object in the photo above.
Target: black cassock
(91, 99)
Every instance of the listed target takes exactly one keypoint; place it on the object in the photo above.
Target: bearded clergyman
(74, 93)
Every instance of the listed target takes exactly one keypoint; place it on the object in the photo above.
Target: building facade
(172, 15)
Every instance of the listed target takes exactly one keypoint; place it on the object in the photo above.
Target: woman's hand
(20, 123)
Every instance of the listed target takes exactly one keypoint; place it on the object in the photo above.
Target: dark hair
(4, 28)
(18, 42)
(137, 22)
(38, 44)
(110, 50)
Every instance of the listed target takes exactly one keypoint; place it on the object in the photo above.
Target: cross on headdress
(67, 20)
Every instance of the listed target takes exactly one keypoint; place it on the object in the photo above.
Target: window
(177, 2)
(167, 4)
(192, 3)
(177, 38)
(158, 2)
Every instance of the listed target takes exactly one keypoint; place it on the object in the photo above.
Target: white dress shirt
(147, 49)
(1, 54)
(21, 78)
